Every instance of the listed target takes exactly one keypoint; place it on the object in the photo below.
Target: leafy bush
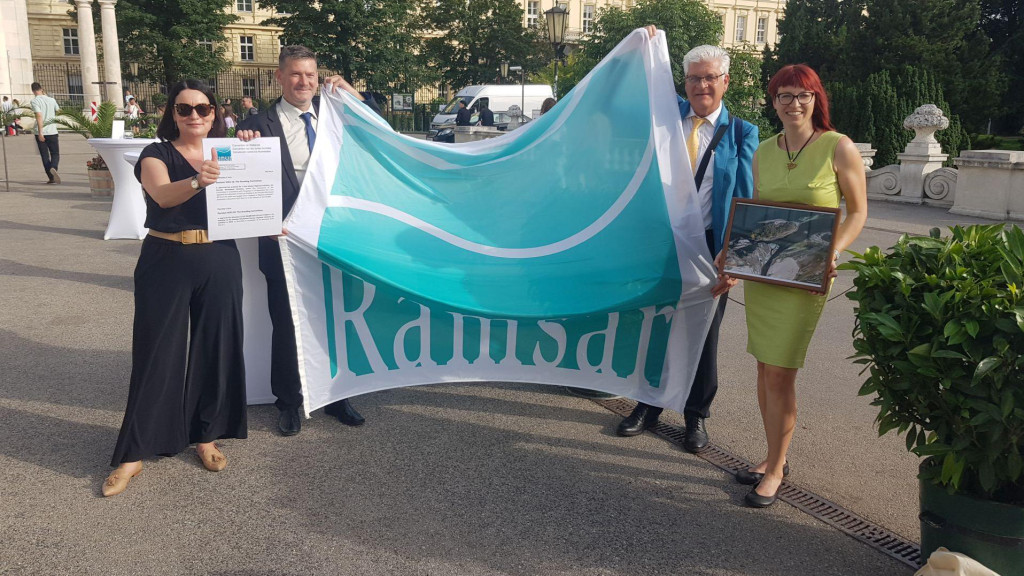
(78, 122)
(940, 326)
(874, 110)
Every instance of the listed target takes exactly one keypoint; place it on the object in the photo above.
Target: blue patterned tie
(310, 132)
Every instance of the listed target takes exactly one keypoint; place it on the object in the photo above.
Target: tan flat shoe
(212, 458)
(117, 482)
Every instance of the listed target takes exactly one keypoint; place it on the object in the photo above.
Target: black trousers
(188, 369)
(705, 381)
(49, 151)
(284, 357)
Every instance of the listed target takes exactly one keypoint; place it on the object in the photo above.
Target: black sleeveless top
(190, 215)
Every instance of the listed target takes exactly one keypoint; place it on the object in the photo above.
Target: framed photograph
(786, 244)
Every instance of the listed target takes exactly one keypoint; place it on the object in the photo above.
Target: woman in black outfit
(188, 376)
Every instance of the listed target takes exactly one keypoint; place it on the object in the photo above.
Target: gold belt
(184, 237)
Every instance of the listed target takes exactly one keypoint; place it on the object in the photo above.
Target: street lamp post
(522, 83)
(504, 71)
(557, 20)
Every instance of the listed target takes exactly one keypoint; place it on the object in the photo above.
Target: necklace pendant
(791, 165)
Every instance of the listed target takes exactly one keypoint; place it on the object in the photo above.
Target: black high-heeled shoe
(749, 478)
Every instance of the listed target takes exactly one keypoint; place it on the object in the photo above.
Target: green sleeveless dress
(781, 320)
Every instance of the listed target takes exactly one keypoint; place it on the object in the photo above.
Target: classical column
(111, 52)
(87, 50)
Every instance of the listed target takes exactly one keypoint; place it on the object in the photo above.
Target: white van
(497, 97)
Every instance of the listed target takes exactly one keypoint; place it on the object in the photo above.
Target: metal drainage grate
(828, 512)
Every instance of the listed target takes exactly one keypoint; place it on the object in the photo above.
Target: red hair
(803, 76)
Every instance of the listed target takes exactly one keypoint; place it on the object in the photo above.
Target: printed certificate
(246, 199)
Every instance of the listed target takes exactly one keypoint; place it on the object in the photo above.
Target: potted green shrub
(101, 183)
(940, 328)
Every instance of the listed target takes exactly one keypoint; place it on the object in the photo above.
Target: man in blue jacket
(293, 119)
(725, 145)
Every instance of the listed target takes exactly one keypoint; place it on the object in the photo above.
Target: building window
(762, 29)
(248, 51)
(532, 10)
(741, 28)
(243, 5)
(588, 18)
(70, 41)
(249, 87)
(208, 44)
(75, 90)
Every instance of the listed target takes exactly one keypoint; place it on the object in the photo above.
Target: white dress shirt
(707, 133)
(295, 135)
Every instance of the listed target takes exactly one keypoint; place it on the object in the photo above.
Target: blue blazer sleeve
(745, 155)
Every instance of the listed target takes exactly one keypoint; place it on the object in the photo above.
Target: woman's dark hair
(167, 130)
(548, 104)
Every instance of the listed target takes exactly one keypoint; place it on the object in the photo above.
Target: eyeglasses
(704, 79)
(785, 98)
(185, 110)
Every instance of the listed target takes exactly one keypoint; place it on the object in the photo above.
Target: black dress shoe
(755, 500)
(696, 440)
(745, 476)
(289, 422)
(643, 417)
(345, 413)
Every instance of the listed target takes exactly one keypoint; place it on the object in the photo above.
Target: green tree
(375, 41)
(874, 110)
(472, 38)
(1003, 22)
(163, 37)
(687, 23)
(815, 32)
(746, 98)
(942, 37)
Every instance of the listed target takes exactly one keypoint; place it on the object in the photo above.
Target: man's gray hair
(294, 53)
(706, 53)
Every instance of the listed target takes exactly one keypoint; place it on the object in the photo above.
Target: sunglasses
(185, 110)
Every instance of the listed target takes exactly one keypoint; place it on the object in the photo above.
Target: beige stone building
(55, 50)
(751, 23)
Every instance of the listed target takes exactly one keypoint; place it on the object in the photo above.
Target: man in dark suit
(728, 175)
(486, 116)
(293, 119)
(463, 117)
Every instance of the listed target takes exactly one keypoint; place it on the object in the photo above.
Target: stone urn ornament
(925, 122)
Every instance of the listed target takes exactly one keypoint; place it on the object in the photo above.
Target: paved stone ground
(449, 479)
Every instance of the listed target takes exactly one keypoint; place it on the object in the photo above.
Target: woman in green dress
(808, 163)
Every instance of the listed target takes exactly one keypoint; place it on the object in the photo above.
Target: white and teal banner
(570, 251)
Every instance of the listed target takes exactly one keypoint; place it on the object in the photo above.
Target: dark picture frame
(778, 243)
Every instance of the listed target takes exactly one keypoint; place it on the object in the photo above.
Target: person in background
(547, 105)
(230, 120)
(463, 117)
(133, 109)
(486, 116)
(46, 109)
(293, 119)
(188, 370)
(807, 163)
(725, 146)
(248, 109)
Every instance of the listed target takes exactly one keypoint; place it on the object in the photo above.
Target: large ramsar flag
(570, 251)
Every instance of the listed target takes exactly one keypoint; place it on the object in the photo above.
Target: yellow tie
(693, 142)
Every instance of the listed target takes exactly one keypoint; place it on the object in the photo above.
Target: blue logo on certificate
(224, 153)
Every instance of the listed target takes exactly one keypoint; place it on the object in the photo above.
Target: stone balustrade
(991, 184)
